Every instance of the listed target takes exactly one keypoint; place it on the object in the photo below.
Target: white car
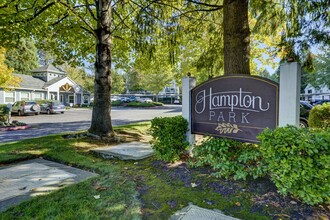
(146, 100)
(114, 98)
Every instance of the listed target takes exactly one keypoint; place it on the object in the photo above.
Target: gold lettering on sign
(66, 87)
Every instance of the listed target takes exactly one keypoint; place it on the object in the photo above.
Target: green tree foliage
(114, 30)
(154, 74)
(118, 83)
(132, 81)
(321, 74)
(23, 57)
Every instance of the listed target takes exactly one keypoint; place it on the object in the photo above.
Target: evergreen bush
(230, 158)
(4, 111)
(298, 161)
(319, 116)
(168, 137)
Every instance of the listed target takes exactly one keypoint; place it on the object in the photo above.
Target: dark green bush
(158, 103)
(230, 158)
(4, 111)
(116, 103)
(168, 137)
(299, 161)
(319, 117)
(143, 104)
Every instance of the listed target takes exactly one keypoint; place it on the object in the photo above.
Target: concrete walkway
(35, 177)
(126, 151)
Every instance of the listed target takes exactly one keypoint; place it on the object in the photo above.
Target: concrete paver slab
(126, 151)
(30, 178)
(193, 212)
(23, 178)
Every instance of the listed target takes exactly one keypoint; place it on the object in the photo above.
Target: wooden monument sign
(234, 106)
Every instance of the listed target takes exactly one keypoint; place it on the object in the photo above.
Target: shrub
(230, 158)
(4, 111)
(143, 104)
(168, 137)
(158, 103)
(298, 161)
(116, 103)
(139, 104)
(319, 117)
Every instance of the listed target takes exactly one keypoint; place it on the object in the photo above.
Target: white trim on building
(313, 94)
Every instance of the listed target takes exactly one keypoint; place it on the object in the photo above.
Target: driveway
(80, 119)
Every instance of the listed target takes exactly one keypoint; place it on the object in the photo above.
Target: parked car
(123, 99)
(114, 98)
(52, 107)
(320, 102)
(305, 108)
(25, 107)
(133, 99)
(146, 100)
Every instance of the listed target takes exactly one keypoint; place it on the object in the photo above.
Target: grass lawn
(146, 189)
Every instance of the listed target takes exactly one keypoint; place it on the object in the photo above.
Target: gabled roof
(30, 82)
(55, 80)
(48, 68)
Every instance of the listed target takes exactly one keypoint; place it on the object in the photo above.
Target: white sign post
(289, 106)
(187, 84)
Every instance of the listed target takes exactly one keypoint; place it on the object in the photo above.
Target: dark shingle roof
(50, 82)
(48, 68)
(30, 82)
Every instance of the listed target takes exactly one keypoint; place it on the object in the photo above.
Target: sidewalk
(31, 178)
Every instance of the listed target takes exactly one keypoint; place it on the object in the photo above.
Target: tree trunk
(236, 37)
(101, 119)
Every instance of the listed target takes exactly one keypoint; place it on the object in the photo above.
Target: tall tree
(320, 76)
(75, 29)
(236, 37)
(118, 83)
(154, 74)
(22, 57)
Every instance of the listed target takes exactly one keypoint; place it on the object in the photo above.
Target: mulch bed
(262, 192)
(14, 128)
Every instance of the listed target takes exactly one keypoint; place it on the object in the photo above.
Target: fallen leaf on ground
(193, 185)
(97, 197)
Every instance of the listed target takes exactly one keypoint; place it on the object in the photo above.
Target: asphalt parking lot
(80, 119)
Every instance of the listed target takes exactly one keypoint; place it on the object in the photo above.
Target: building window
(9, 96)
(309, 91)
(38, 96)
(25, 96)
(53, 96)
(71, 99)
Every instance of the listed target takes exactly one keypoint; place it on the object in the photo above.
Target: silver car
(25, 107)
(52, 107)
